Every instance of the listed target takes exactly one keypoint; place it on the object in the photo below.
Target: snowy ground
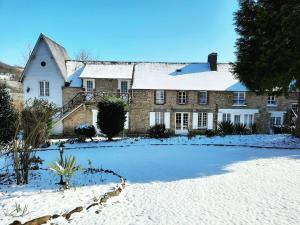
(174, 181)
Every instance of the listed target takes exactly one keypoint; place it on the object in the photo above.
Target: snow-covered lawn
(174, 181)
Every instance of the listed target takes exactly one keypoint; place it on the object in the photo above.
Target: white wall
(36, 73)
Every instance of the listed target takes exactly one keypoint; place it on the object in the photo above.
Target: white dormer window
(271, 100)
(44, 88)
(124, 86)
(239, 98)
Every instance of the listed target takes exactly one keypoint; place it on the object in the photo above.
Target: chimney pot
(212, 59)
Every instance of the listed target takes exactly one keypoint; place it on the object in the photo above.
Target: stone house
(183, 96)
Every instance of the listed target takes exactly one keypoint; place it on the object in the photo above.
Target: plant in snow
(111, 116)
(85, 131)
(67, 168)
(159, 131)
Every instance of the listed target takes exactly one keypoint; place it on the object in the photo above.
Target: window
(159, 118)
(295, 107)
(237, 119)
(44, 88)
(182, 97)
(226, 117)
(248, 120)
(275, 121)
(271, 100)
(124, 86)
(89, 85)
(202, 120)
(159, 97)
(239, 98)
(185, 125)
(202, 97)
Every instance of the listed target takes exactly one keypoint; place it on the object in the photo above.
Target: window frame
(199, 98)
(271, 102)
(159, 118)
(44, 90)
(202, 120)
(239, 98)
(227, 117)
(162, 95)
(182, 98)
(234, 119)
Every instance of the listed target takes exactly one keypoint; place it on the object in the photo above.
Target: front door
(181, 123)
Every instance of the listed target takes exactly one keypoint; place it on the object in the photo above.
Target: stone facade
(69, 93)
(106, 85)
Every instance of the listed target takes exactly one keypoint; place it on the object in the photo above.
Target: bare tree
(26, 54)
(83, 55)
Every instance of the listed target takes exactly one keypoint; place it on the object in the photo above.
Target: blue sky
(139, 30)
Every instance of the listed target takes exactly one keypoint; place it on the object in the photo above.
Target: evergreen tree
(111, 116)
(268, 47)
(8, 117)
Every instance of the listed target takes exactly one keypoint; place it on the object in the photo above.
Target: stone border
(103, 199)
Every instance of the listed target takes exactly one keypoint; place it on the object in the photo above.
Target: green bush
(210, 133)
(283, 129)
(253, 128)
(226, 128)
(193, 133)
(159, 131)
(240, 129)
(85, 131)
(111, 116)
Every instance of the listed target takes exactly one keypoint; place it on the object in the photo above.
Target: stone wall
(69, 93)
(82, 116)
(143, 102)
(106, 85)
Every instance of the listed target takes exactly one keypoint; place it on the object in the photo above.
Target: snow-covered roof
(185, 76)
(74, 69)
(108, 70)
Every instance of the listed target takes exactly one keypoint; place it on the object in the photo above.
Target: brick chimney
(212, 59)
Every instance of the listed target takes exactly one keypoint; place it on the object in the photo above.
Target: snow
(184, 76)
(173, 181)
(108, 70)
(74, 69)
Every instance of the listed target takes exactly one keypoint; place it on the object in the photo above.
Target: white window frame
(239, 98)
(159, 97)
(44, 88)
(202, 120)
(271, 100)
(86, 85)
(276, 121)
(226, 117)
(235, 121)
(159, 118)
(202, 98)
(182, 97)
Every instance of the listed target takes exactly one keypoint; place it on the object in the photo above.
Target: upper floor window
(159, 97)
(239, 98)
(182, 97)
(202, 97)
(202, 120)
(271, 100)
(44, 88)
(124, 86)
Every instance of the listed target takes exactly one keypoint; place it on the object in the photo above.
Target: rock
(69, 214)
(38, 221)
(55, 216)
(16, 222)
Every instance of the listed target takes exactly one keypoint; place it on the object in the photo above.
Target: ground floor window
(237, 119)
(275, 121)
(248, 120)
(295, 107)
(226, 117)
(159, 117)
(202, 120)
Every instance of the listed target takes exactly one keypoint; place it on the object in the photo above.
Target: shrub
(240, 129)
(210, 133)
(159, 131)
(283, 129)
(85, 131)
(253, 128)
(8, 117)
(111, 116)
(67, 168)
(226, 128)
